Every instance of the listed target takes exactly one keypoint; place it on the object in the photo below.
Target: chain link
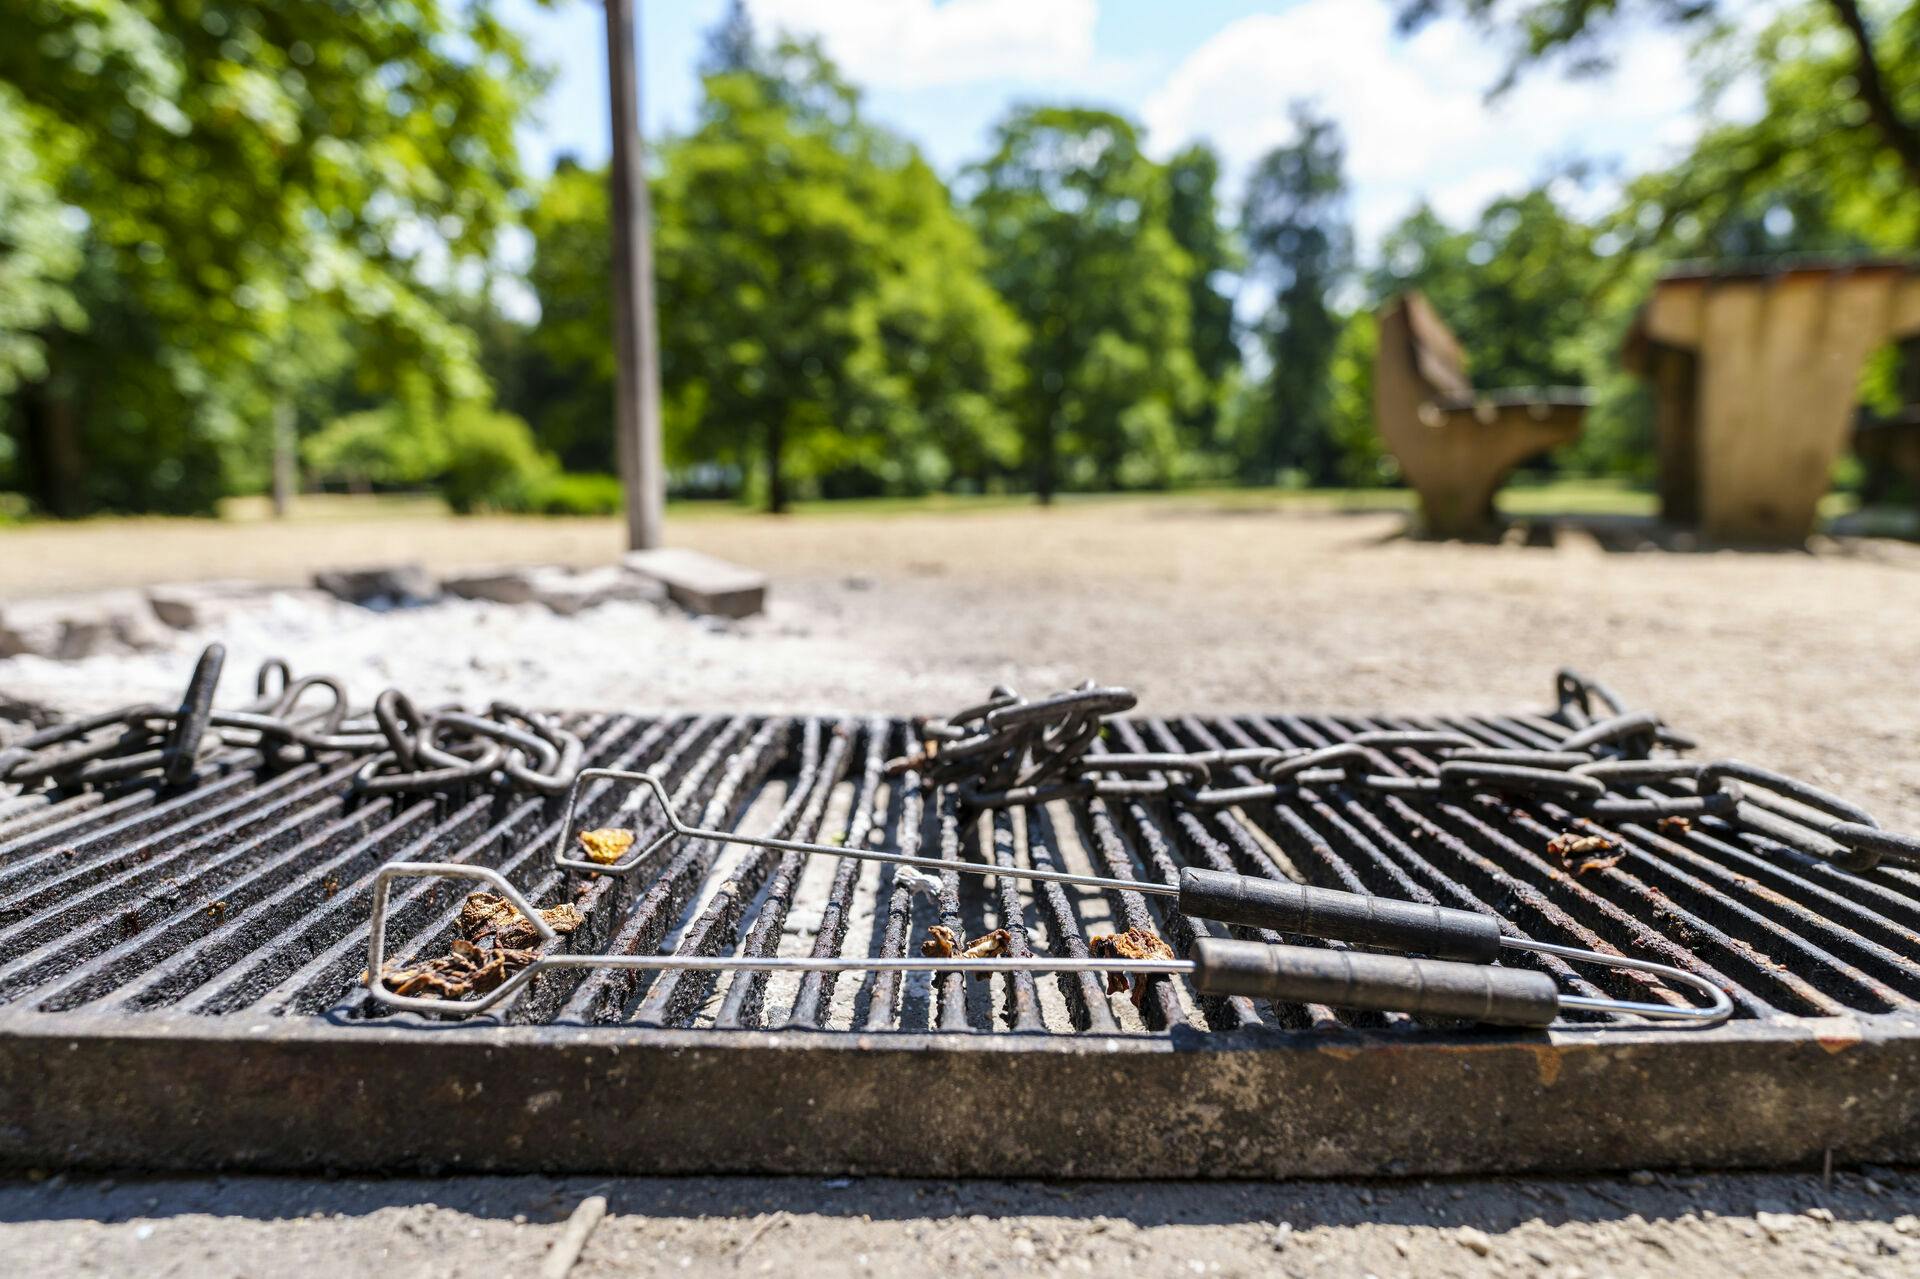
(293, 721)
(1008, 751)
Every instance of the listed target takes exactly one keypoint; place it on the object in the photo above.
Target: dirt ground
(1760, 1226)
(1802, 660)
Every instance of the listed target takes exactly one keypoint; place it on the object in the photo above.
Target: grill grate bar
(1160, 1008)
(727, 771)
(883, 992)
(745, 1000)
(674, 996)
(812, 1002)
(1085, 993)
(1731, 901)
(1022, 1003)
(957, 843)
(1144, 829)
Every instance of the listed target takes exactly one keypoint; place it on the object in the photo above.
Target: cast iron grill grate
(239, 906)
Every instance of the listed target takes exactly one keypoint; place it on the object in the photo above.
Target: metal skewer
(1281, 905)
(1219, 966)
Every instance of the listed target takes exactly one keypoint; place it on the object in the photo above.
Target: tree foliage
(223, 170)
(825, 321)
(1198, 226)
(1299, 247)
(1075, 219)
(212, 209)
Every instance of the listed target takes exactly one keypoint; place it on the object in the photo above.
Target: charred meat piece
(1571, 846)
(486, 915)
(942, 944)
(1135, 943)
(607, 845)
(469, 967)
(990, 946)
(464, 970)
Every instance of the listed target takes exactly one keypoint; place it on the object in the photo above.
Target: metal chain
(1009, 751)
(293, 721)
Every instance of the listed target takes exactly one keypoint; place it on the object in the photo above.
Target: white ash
(615, 656)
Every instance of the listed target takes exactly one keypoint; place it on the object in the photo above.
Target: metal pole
(636, 346)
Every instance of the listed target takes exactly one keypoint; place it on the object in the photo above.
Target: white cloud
(1414, 110)
(914, 44)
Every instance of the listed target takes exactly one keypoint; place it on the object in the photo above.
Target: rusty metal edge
(286, 1094)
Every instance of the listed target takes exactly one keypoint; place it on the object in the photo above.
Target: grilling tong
(1458, 977)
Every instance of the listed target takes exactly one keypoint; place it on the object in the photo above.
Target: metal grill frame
(252, 1090)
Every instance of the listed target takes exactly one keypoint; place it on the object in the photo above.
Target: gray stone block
(701, 583)
(568, 591)
(68, 627)
(385, 586)
(190, 606)
(498, 586)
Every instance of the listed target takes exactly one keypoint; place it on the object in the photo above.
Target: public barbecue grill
(187, 898)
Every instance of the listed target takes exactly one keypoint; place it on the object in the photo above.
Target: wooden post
(636, 347)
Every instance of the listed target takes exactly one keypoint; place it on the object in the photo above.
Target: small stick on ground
(573, 1237)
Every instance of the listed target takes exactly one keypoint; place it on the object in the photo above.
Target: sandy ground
(1802, 660)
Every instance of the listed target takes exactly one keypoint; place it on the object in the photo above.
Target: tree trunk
(1045, 456)
(54, 459)
(776, 465)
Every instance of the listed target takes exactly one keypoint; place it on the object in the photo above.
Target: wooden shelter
(1755, 375)
(1456, 445)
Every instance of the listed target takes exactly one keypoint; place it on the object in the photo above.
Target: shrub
(387, 446)
(578, 493)
(493, 462)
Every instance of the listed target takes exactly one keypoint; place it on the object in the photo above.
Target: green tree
(824, 318)
(1518, 287)
(1300, 247)
(1075, 220)
(233, 170)
(1194, 219)
(566, 379)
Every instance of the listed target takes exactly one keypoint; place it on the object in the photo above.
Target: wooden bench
(1755, 373)
(1456, 445)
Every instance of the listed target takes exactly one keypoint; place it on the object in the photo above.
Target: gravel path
(1805, 661)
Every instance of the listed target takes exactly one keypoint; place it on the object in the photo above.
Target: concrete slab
(702, 583)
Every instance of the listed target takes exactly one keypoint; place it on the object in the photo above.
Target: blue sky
(1413, 110)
